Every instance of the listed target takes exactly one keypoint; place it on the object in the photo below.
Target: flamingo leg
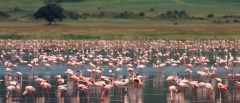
(75, 88)
(7, 95)
(26, 99)
(237, 91)
(170, 95)
(185, 92)
(102, 96)
(220, 96)
(33, 97)
(88, 96)
(48, 95)
(43, 94)
(61, 93)
(193, 93)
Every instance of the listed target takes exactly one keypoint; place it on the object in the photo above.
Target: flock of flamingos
(133, 55)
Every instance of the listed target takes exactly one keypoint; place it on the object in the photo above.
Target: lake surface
(154, 90)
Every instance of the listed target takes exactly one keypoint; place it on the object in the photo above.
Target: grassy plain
(21, 25)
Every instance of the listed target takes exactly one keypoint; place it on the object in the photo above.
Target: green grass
(129, 36)
(194, 7)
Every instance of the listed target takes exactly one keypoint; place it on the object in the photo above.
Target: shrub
(16, 9)
(174, 14)
(151, 9)
(4, 14)
(141, 14)
(210, 15)
(73, 15)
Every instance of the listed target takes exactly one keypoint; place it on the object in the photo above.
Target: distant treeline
(168, 15)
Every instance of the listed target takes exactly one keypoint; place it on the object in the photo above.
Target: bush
(210, 15)
(217, 21)
(141, 14)
(235, 21)
(151, 9)
(4, 14)
(125, 15)
(72, 15)
(174, 14)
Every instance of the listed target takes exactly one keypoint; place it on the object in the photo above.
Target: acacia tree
(50, 12)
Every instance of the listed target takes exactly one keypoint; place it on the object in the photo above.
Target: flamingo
(212, 74)
(210, 89)
(19, 76)
(8, 70)
(105, 88)
(189, 66)
(9, 90)
(83, 87)
(194, 85)
(8, 64)
(172, 89)
(62, 88)
(121, 83)
(44, 85)
(237, 85)
(221, 87)
(30, 66)
(60, 80)
(82, 77)
(201, 86)
(188, 71)
(171, 79)
(29, 89)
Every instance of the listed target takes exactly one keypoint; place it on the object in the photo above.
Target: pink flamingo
(171, 79)
(221, 87)
(19, 76)
(62, 88)
(105, 88)
(120, 84)
(212, 74)
(188, 71)
(60, 80)
(82, 77)
(83, 88)
(29, 89)
(9, 90)
(45, 85)
(194, 85)
(210, 89)
(237, 85)
(172, 89)
(189, 66)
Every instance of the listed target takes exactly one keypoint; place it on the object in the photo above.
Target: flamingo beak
(23, 96)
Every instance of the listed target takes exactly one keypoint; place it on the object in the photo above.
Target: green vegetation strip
(128, 36)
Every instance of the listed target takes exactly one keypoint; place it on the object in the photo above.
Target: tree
(50, 12)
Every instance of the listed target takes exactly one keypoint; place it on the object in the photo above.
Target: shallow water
(154, 90)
